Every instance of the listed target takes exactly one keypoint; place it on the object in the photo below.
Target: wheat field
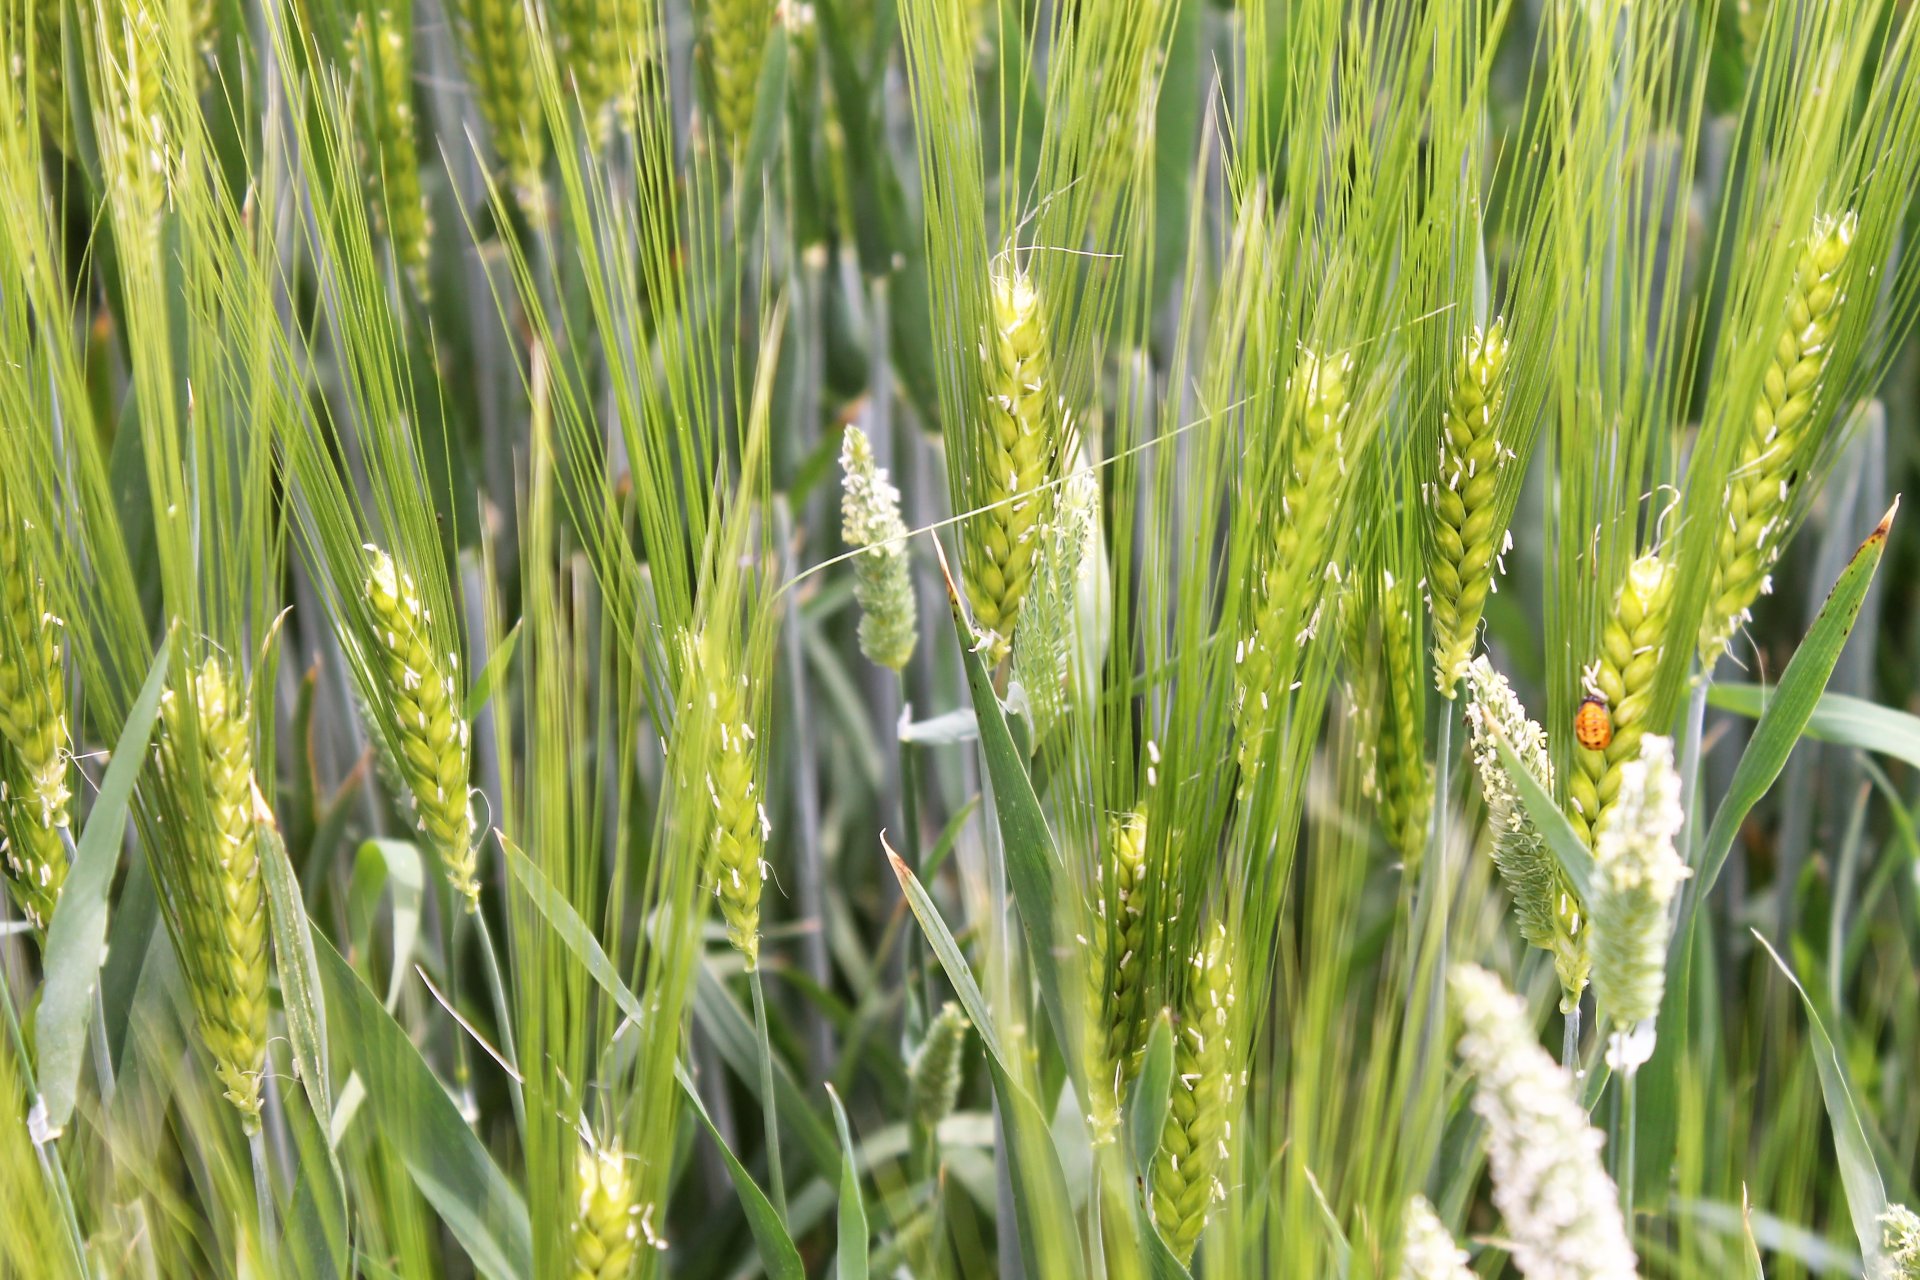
(1128, 639)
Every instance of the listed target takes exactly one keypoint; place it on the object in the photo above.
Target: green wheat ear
(1115, 951)
(430, 735)
(1186, 1173)
(1018, 447)
(381, 52)
(1465, 539)
(740, 828)
(606, 1226)
(1759, 492)
(602, 45)
(1622, 676)
(734, 35)
(499, 42)
(33, 699)
(870, 522)
(205, 759)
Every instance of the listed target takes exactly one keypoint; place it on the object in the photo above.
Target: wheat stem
(776, 1174)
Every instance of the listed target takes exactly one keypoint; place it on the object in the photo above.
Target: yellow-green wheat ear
(1465, 537)
(601, 45)
(1631, 644)
(1759, 494)
(734, 34)
(50, 73)
(1406, 787)
(1115, 957)
(882, 578)
(136, 144)
(1016, 448)
(33, 699)
(740, 827)
(32, 849)
(381, 51)
(422, 705)
(205, 756)
(607, 1217)
(1290, 580)
(500, 43)
(1187, 1168)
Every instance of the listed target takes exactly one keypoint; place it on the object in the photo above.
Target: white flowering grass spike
(1551, 916)
(1637, 870)
(870, 523)
(1561, 1211)
(1899, 1244)
(1429, 1251)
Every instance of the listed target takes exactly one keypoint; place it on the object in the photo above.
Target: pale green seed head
(883, 584)
(1637, 871)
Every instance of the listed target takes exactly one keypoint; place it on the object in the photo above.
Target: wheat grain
(1562, 1212)
(1187, 1167)
(1465, 539)
(381, 52)
(1760, 490)
(421, 702)
(1017, 450)
(1636, 872)
(213, 889)
(870, 521)
(1428, 1251)
(1550, 915)
(1622, 676)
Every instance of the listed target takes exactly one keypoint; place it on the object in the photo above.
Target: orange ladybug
(1593, 724)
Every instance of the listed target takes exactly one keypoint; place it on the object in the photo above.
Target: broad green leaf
(1837, 718)
(77, 935)
(731, 1030)
(490, 675)
(1567, 846)
(1040, 1186)
(395, 865)
(781, 1259)
(1152, 1093)
(1859, 1174)
(850, 1256)
(417, 1119)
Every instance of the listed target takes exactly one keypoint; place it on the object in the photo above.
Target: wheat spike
(606, 1216)
(740, 826)
(1550, 915)
(1115, 958)
(216, 898)
(1406, 788)
(32, 849)
(1186, 1173)
(1428, 1251)
(734, 36)
(499, 38)
(380, 49)
(602, 45)
(1759, 493)
(421, 701)
(1018, 446)
(1465, 539)
(1288, 595)
(1562, 1212)
(33, 699)
(1622, 676)
(1636, 871)
(1899, 1244)
(933, 1077)
(870, 522)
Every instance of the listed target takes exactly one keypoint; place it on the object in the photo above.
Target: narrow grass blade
(395, 865)
(492, 674)
(76, 938)
(1838, 718)
(1791, 706)
(781, 1259)
(1859, 1174)
(1147, 1111)
(850, 1255)
(418, 1120)
(1565, 842)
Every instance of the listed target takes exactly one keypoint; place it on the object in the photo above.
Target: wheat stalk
(1760, 490)
(1464, 532)
(380, 49)
(1186, 1173)
(1562, 1212)
(1018, 446)
(1550, 914)
(205, 759)
(1636, 873)
(870, 521)
(1622, 676)
(428, 733)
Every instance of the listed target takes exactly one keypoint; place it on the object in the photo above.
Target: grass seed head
(430, 736)
(33, 699)
(381, 53)
(883, 584)
(1465, 538)
(1550, 915)
(498, 38)
(1562, 1212)
(32, 849)
(1406, 786)
(1760, 491)
(1192, 1158)
(1636, 873)
(734, 35)
(205, 758)
(1899, 1244)
(1622, 676)
(1015, 459)
(606, 1216)
(602, 46)
(1115, 957)
(738, 837)
(933, 1077)
(1429, 1251)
